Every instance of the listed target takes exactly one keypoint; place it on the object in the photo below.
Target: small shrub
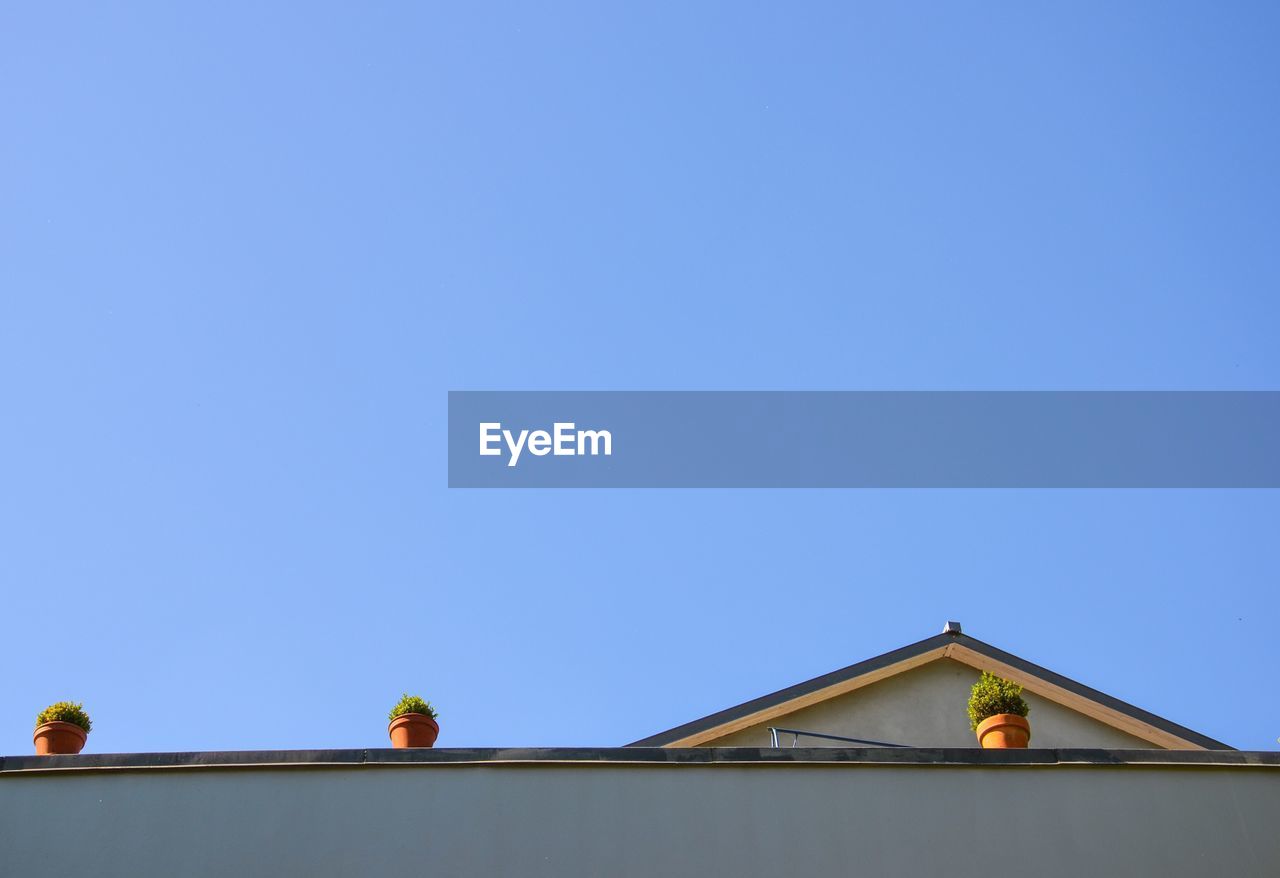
(992, 695)
(65, 712)
(411, 704)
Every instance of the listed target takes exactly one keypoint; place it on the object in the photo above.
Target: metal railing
(800, 733)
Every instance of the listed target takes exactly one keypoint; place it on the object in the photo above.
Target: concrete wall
(599, 819)
(925, 707)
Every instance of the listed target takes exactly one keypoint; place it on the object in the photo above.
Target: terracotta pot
(413, 730)
(56, 738)
(1004, 731)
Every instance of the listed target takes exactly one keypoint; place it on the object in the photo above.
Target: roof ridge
(951, 643)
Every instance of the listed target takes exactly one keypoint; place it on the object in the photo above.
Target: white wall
(623, 820)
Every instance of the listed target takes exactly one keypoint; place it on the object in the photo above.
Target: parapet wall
(643, 812)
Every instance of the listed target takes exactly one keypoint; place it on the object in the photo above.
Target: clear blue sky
(245, 251)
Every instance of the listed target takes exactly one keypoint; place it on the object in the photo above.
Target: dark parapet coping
(634, 756)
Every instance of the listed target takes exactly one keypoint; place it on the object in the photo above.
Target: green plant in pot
(998, 713)
(413, 723)
(61, 729)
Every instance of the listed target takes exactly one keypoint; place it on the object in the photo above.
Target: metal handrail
(773, 735)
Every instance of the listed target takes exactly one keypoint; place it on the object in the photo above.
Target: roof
(951, 644)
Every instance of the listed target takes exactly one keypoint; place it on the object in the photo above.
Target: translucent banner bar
(856, 439)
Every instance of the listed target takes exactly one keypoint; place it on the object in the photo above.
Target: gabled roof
(951, 644)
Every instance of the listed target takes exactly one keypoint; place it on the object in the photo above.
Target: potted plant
(997, 713)
(61, 728)
(413, 723)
